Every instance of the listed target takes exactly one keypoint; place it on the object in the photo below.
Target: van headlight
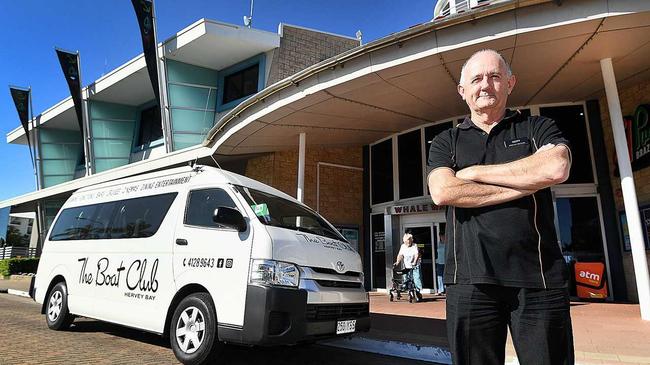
(271, 272)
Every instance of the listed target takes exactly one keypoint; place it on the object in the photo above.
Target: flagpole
(37, 218)
(85, 129)
(32, 155)
(161, 71)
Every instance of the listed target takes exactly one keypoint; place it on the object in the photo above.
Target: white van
(204, 256)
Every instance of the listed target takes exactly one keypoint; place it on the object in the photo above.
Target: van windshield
(279, 212)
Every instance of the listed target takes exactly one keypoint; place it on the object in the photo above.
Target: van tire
(57, 314)
(193, 330)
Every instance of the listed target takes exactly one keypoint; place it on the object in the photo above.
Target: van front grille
(327, 312)
(338, 284)
(323, 270)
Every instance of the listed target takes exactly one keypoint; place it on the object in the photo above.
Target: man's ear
(512, 80)
(461, 91)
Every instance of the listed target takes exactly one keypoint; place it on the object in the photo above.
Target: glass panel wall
(60, 155)
(409, 152)
(192, 100)
(112, 129)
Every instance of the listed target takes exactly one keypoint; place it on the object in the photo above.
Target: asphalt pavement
(25, 339)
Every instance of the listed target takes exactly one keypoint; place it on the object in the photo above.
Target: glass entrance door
(580, 234)
(425, 236)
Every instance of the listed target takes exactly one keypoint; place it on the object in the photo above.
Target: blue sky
(105, 32)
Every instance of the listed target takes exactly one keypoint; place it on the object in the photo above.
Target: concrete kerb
(19, 293)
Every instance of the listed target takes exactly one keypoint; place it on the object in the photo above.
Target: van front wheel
(193, 330)
(57, 315)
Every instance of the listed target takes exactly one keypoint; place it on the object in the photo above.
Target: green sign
(261, 210)
(637, 128)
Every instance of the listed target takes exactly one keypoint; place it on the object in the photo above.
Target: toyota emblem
(340, 267)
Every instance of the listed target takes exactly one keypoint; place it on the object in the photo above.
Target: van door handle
(181, 242)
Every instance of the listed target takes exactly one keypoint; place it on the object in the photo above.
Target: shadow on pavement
(419, 330)
(92, 326)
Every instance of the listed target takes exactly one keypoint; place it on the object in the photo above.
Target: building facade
(209, 67)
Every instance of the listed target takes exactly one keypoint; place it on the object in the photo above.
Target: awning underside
(560, 63)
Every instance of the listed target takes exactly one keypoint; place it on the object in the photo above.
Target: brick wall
(340, 189)
(630, 99)
(301, 48)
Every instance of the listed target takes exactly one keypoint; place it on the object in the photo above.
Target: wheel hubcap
(54, 306)
(190, 330)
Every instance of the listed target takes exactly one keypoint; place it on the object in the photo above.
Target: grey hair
(407, 236)
(462, 70)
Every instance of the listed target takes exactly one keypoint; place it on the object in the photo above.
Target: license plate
(346, 326)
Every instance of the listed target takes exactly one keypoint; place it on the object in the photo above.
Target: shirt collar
(508, 116)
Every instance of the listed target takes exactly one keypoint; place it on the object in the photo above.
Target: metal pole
(85, 132)
(629, 190)
(250, 24)
(301, 168)
(161, 70)
(33, 155)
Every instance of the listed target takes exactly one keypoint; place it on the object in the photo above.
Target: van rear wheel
(57, 315)
(193, 330)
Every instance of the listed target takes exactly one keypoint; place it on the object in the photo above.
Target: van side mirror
(229, 217)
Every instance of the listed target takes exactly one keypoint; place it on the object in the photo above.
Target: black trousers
(478, 317)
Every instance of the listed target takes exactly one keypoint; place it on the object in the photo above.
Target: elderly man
(503, 263)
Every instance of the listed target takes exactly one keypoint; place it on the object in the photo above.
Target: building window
(381, 171)
(240, 84)
(150, 128)
(571, 121)
(240, 81)
(432, 131)
(409, 154)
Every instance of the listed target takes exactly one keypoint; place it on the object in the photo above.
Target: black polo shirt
(511, 244)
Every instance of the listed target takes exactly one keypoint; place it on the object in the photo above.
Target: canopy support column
(629, 190)
(300, 195)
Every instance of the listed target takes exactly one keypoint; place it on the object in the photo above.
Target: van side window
(129, 218)
(139, 217)
(74, 224)
(201, 205)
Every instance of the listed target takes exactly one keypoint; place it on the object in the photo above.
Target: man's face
(486, 85)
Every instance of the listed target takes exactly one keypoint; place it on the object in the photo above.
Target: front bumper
(281, 316)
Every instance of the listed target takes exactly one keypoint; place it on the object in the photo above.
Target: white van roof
(201, 174)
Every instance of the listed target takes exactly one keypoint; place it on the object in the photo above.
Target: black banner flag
(70, 65)
(144, 13)
(21, 100)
